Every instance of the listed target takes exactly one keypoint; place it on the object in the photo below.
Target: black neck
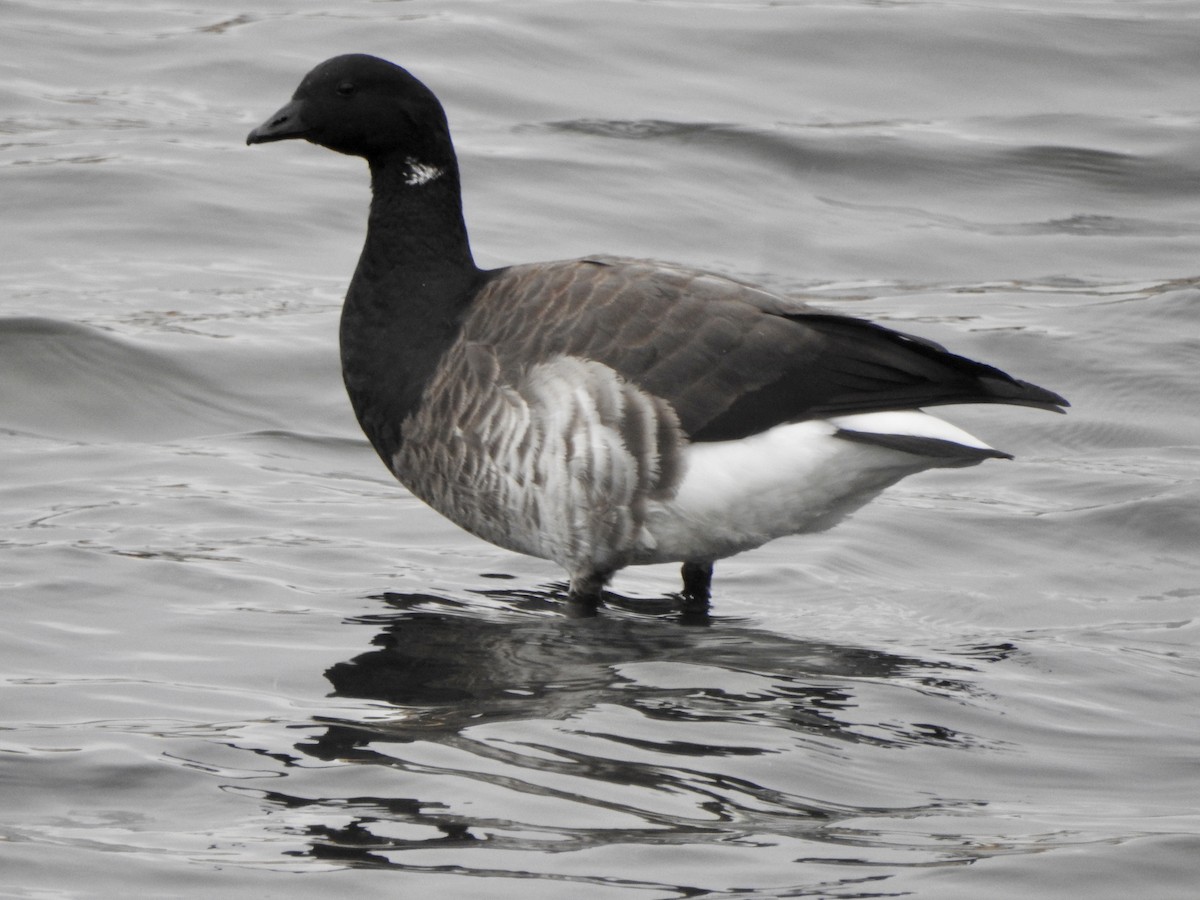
(416, 221)
(414, 279)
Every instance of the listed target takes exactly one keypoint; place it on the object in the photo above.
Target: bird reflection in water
(600, 719)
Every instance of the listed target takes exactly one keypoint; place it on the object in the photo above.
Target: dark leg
(697, 585)
(586, 594)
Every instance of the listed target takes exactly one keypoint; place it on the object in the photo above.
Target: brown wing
(730, 359)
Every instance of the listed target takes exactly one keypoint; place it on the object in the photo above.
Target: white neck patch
(421, 173)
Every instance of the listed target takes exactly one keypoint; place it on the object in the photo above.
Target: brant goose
(606, 412)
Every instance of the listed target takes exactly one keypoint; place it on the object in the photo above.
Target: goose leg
(697, 585)
(586, 594)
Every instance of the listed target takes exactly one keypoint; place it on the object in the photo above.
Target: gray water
(238, 660)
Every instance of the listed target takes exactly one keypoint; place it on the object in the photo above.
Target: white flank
(911, 423)
(792, 479)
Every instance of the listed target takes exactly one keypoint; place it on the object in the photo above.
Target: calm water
(239, 661)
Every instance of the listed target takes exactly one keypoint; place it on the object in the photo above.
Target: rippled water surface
(239, 661)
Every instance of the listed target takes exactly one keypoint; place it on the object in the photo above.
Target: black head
(364, 106)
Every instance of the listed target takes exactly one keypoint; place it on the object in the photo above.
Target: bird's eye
(346, 88)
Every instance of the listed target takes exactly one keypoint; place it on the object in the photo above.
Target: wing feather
(730, 359)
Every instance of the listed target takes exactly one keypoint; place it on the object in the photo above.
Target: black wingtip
(913, 372)
(1006, 389)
